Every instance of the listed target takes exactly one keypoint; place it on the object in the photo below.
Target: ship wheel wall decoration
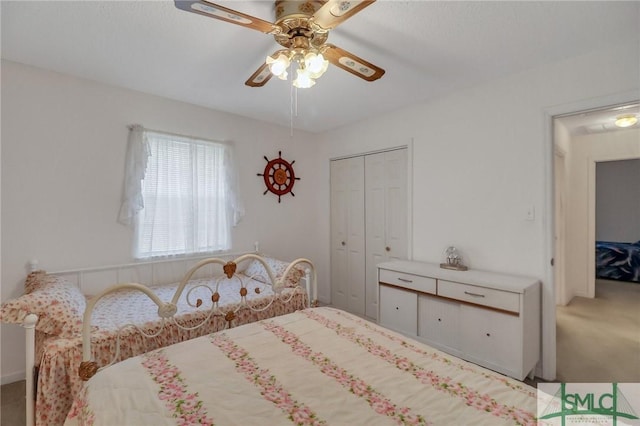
(279, 176)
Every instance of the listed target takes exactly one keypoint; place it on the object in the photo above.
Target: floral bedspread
(318, 366)
(58, 381)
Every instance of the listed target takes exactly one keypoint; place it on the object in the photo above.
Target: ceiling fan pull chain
(291, 110)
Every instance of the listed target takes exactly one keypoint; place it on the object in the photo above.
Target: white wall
(482, 157)
(63, 150)
(618, 201)
(585, 152)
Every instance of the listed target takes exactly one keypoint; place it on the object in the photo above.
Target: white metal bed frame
(155, 272)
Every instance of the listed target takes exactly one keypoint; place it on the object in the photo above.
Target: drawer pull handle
(439, 319)
(473, 294)
(397, 308)
(404, 280)
(488, 334)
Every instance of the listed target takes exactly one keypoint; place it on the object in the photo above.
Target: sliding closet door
(386, 217)
(348, 235)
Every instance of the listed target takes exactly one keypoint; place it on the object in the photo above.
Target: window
(188, 198)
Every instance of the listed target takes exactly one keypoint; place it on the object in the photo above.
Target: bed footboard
(157, 273)
(167, 310)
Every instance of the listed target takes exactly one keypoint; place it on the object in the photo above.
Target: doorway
(581, 141)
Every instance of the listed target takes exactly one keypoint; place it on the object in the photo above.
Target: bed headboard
(92, 281)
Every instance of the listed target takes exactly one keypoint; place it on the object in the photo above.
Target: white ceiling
(428, 48)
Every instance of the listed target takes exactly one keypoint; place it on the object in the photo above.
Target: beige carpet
(598, 340)
(12, 411)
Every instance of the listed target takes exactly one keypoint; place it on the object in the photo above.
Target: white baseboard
(14, 377)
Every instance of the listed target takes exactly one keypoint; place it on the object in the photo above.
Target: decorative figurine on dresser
(453, 260)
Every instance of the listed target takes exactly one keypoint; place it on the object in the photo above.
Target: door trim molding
(377, 151)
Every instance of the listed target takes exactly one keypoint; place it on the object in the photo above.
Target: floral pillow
(58, 304)
(256, 270)
(36, 280)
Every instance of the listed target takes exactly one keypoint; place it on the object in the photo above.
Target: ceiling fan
(302, 28)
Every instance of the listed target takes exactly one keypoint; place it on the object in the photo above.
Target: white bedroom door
(386, 217)
(348, 235)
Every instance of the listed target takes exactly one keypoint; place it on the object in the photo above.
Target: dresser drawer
(409, 281)
(399, 309)
(492, 298)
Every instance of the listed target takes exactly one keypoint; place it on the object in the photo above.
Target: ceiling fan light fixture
(301, 28)
(278, 66)
(303, 80)
(315, 64)
(626, 120)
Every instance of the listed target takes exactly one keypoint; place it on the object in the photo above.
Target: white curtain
(191, 196)
(135, 167)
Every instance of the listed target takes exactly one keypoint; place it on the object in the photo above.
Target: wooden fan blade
(351, 63)
(212, 10)
(260, 77)
(334, 12)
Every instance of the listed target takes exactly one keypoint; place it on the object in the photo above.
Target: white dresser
(484, 317)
